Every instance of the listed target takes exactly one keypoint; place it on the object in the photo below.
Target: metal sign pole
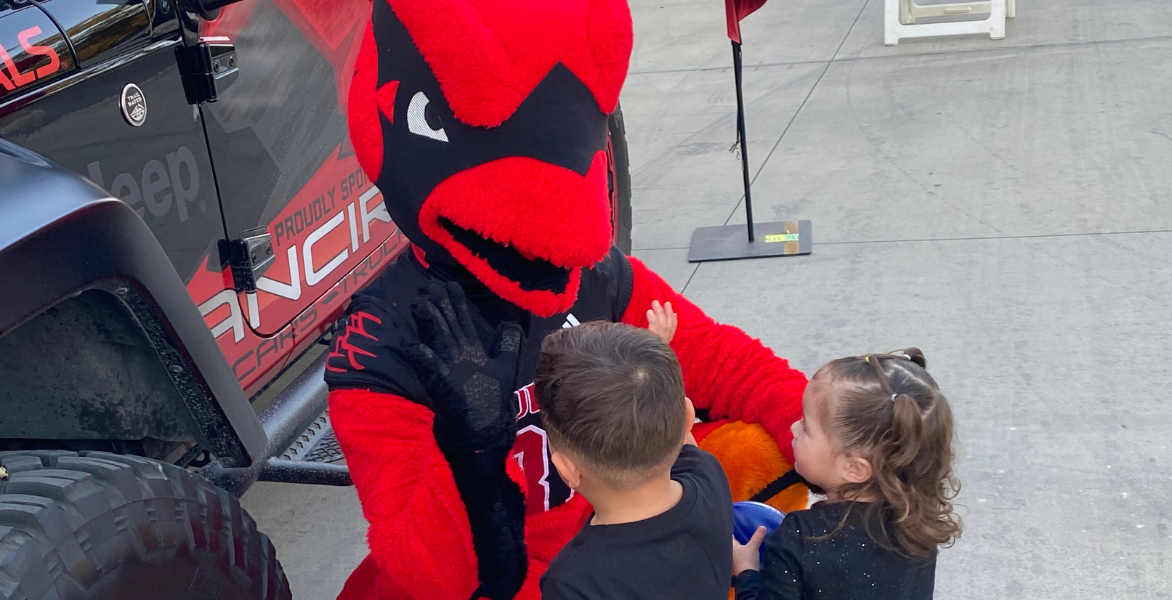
(742, 140)
(727, 242)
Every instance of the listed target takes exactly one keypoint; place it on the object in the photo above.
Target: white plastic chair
(899, 19)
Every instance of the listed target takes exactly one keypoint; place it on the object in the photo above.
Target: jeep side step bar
(312, 473)
(299, 434)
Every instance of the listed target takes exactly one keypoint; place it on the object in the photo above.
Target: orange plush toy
(484, 123)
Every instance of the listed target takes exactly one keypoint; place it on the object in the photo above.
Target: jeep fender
(61, 239)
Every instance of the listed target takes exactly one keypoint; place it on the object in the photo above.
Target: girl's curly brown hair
(889, 408)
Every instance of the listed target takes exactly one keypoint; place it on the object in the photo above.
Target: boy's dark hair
(613, 396)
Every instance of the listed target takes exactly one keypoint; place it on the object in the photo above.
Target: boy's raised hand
(747, 557)
(471, 390)
(662, 321)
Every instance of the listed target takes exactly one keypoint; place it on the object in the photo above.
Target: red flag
(736, 10)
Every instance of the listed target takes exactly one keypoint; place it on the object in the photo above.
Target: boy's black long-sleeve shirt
(685, 552)
(848, 566)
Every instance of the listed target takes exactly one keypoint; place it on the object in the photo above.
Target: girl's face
(814, 450)
(817, 457)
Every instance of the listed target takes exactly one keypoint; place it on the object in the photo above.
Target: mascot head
(484, 123)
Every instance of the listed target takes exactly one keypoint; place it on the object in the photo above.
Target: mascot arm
(725, 371)
(419, 532)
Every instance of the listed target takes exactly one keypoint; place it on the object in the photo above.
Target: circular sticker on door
(134, 108)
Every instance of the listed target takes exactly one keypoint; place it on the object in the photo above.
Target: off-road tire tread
(67, 519)
(622, 159)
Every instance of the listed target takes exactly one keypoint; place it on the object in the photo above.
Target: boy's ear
(689, 421)
(856, 469)
(569, 472)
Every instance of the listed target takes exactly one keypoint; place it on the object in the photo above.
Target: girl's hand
(748, 556)
(661, 320)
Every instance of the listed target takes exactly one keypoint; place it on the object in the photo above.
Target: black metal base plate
(731, 242)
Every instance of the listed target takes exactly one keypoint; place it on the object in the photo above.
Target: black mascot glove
(472, 393)
(472, 396)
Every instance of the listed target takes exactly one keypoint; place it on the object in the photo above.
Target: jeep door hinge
(249, 258)
(208, 68)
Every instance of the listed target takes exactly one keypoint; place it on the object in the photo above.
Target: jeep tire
(93, 525)
(619, 180)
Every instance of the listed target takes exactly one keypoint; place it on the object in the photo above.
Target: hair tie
(906, 357)
(893, 397)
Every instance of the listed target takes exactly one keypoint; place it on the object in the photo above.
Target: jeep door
(286, 169)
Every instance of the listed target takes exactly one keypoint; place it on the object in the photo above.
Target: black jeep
(182, 222)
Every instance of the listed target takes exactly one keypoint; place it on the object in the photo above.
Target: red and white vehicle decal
(329, 241)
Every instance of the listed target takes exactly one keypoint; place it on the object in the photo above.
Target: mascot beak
(524, 227)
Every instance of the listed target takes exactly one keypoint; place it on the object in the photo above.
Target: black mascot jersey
(367, 354)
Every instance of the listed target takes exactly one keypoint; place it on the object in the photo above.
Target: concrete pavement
(1003, 205)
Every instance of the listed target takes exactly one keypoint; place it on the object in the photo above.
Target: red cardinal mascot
(484, 123)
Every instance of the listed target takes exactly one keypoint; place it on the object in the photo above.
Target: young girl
(876, 436)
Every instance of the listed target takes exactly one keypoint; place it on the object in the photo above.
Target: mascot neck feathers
(484, 123)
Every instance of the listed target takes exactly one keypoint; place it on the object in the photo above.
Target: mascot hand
(472, 392)
(475, 426)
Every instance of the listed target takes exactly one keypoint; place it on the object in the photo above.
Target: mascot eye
(420, 119)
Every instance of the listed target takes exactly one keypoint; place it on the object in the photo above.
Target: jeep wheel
(618, 180)
(93, 525)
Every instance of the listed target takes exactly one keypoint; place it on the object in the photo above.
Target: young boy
(619, 427)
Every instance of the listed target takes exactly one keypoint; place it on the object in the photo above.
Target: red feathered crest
(488, 55)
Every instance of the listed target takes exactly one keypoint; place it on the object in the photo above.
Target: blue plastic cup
(748, 516)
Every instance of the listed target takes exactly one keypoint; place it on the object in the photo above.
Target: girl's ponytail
(915, 355)
(907, 426)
